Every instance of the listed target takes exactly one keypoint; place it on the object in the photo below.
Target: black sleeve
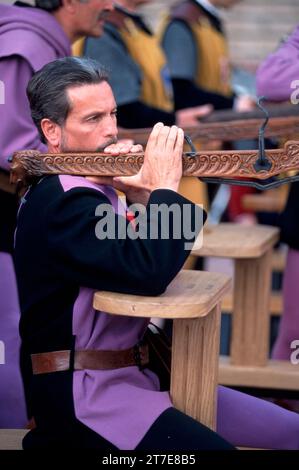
(187, 94)
(137, 266)
(9, 207)
(289, 219)
(138, 115)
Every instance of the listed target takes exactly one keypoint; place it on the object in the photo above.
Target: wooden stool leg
(251, 321)
(194, 371)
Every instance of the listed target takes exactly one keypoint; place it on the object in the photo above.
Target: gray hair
(48, 5)
(52, 5)
(47, 89)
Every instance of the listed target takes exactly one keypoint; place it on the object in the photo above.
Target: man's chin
(80, 151)
(99, 149)
(77, 150)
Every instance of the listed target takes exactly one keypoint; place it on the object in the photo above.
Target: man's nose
(110, 127)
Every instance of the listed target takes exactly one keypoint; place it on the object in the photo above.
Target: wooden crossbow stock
(258, 168)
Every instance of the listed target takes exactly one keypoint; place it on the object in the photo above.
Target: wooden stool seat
(191, 294)
(193, 301)
(251, 248)
(228, 240)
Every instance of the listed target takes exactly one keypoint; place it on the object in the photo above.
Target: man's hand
(162, 167)
(191, 116)
(122, 147)
(244, 103)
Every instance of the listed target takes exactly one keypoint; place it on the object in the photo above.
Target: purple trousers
(248, 421)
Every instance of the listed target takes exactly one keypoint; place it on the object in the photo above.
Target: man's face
(91, 123)
(90, 16)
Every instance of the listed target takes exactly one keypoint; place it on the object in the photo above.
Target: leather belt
(56, 361)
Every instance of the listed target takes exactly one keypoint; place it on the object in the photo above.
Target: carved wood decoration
(28, 165)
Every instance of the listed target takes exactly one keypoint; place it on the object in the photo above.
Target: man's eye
(114, 113)
(93, 118)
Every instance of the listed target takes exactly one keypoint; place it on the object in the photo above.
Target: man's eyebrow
(97, 113)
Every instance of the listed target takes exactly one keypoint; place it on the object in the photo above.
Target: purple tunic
(120, 404)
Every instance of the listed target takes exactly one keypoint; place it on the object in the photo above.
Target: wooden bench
(278, 262)
(273, 200)
(193, 301)
(251, 249)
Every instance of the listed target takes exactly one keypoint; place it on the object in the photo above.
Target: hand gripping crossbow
(259, 168)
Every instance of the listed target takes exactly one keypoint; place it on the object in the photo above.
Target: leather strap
(57, 361)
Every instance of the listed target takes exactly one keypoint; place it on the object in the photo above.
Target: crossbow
(259, 168)
(229, 125)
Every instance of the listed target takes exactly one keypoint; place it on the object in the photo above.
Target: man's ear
(52, 132)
